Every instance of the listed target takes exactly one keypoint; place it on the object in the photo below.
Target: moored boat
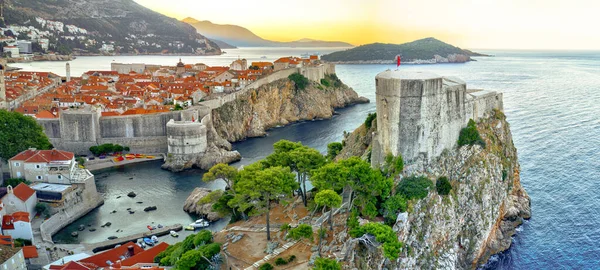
(200, 223)
(148, 241)
(174, 233)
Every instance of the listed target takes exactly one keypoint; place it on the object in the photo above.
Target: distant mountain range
(239, 36)
(422, 51)
(124, 24)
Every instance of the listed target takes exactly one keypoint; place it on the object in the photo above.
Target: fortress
(419, 114)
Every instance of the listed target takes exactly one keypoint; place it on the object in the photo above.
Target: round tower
(186, 140)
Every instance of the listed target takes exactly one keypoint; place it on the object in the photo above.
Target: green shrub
(392, 206)
(327, 264)
(414, 187)
(393, 165)
(333, 149)
(353, 219)
(470, 135)
(383, 234)
(369, 120)
(80, 161)
(281, 261)
(14, 182)
(291, 258)
(299, 80)
(302, 231)
(266, 266)
(285, 227)
(325, 82)
(442, 185)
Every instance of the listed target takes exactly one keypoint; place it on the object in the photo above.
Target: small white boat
(200, 223)
(154, 239)
(174, 233)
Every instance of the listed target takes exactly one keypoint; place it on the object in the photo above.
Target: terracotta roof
(72, 266)
(40, 156)
(30, 252)
(6, 240)
(45, 115)
(113, 255)
(146, 256)
(23, 192)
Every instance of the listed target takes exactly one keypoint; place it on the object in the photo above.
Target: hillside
(426, 51)
(242, 37)
(123, 26)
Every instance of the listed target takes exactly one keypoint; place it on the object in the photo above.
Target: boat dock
(108, 244)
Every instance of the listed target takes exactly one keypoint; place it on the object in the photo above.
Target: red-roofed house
(30, 252)
(21, 198)
(17, 225)
(146, 256)
(106, 258)
(52, 166)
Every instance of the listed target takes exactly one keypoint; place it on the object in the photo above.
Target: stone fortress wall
(78, 130)
(419, 114)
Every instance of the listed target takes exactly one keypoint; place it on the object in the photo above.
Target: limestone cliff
(279, 103)
(463, 229)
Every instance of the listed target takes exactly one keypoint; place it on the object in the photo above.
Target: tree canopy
(326, 264)
(369, 186)
(19, 133)
(221, 171)
(257, 186)
(329, 198)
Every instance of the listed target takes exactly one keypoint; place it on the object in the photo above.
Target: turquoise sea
(551, 99)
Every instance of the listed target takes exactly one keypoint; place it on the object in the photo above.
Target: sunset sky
(483, 24)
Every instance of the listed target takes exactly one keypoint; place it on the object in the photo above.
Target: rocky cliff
(476, 220)
(205, 210)
(278, 104)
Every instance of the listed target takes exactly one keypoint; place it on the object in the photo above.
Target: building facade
(15, 260)
(50, 166)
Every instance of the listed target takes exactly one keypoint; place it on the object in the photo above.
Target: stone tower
(419, 114)
(180, 68)
(3, 101)
(68, 67)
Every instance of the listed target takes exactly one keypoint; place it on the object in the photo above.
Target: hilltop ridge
(422, 51)
(103, 26)
(242, 37)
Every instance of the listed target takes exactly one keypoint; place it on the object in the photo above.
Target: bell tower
(3, 101)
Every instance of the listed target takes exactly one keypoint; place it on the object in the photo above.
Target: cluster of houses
(136, 88)
(56, 180)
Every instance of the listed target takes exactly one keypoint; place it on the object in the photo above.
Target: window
(37, 166)
(60, 177)
(39, 177)
(17, 164)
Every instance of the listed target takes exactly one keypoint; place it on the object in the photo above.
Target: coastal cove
(556, 136)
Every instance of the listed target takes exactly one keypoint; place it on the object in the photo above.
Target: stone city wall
(420, 114)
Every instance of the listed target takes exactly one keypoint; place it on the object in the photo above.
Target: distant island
(422, 51)
(95, 27)
(235, 35)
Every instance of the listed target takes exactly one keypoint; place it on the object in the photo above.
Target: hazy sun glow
(511, 24)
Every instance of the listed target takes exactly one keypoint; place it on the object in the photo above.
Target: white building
(17, 225)
(51, 166)
(22, 198)
(13, 50)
